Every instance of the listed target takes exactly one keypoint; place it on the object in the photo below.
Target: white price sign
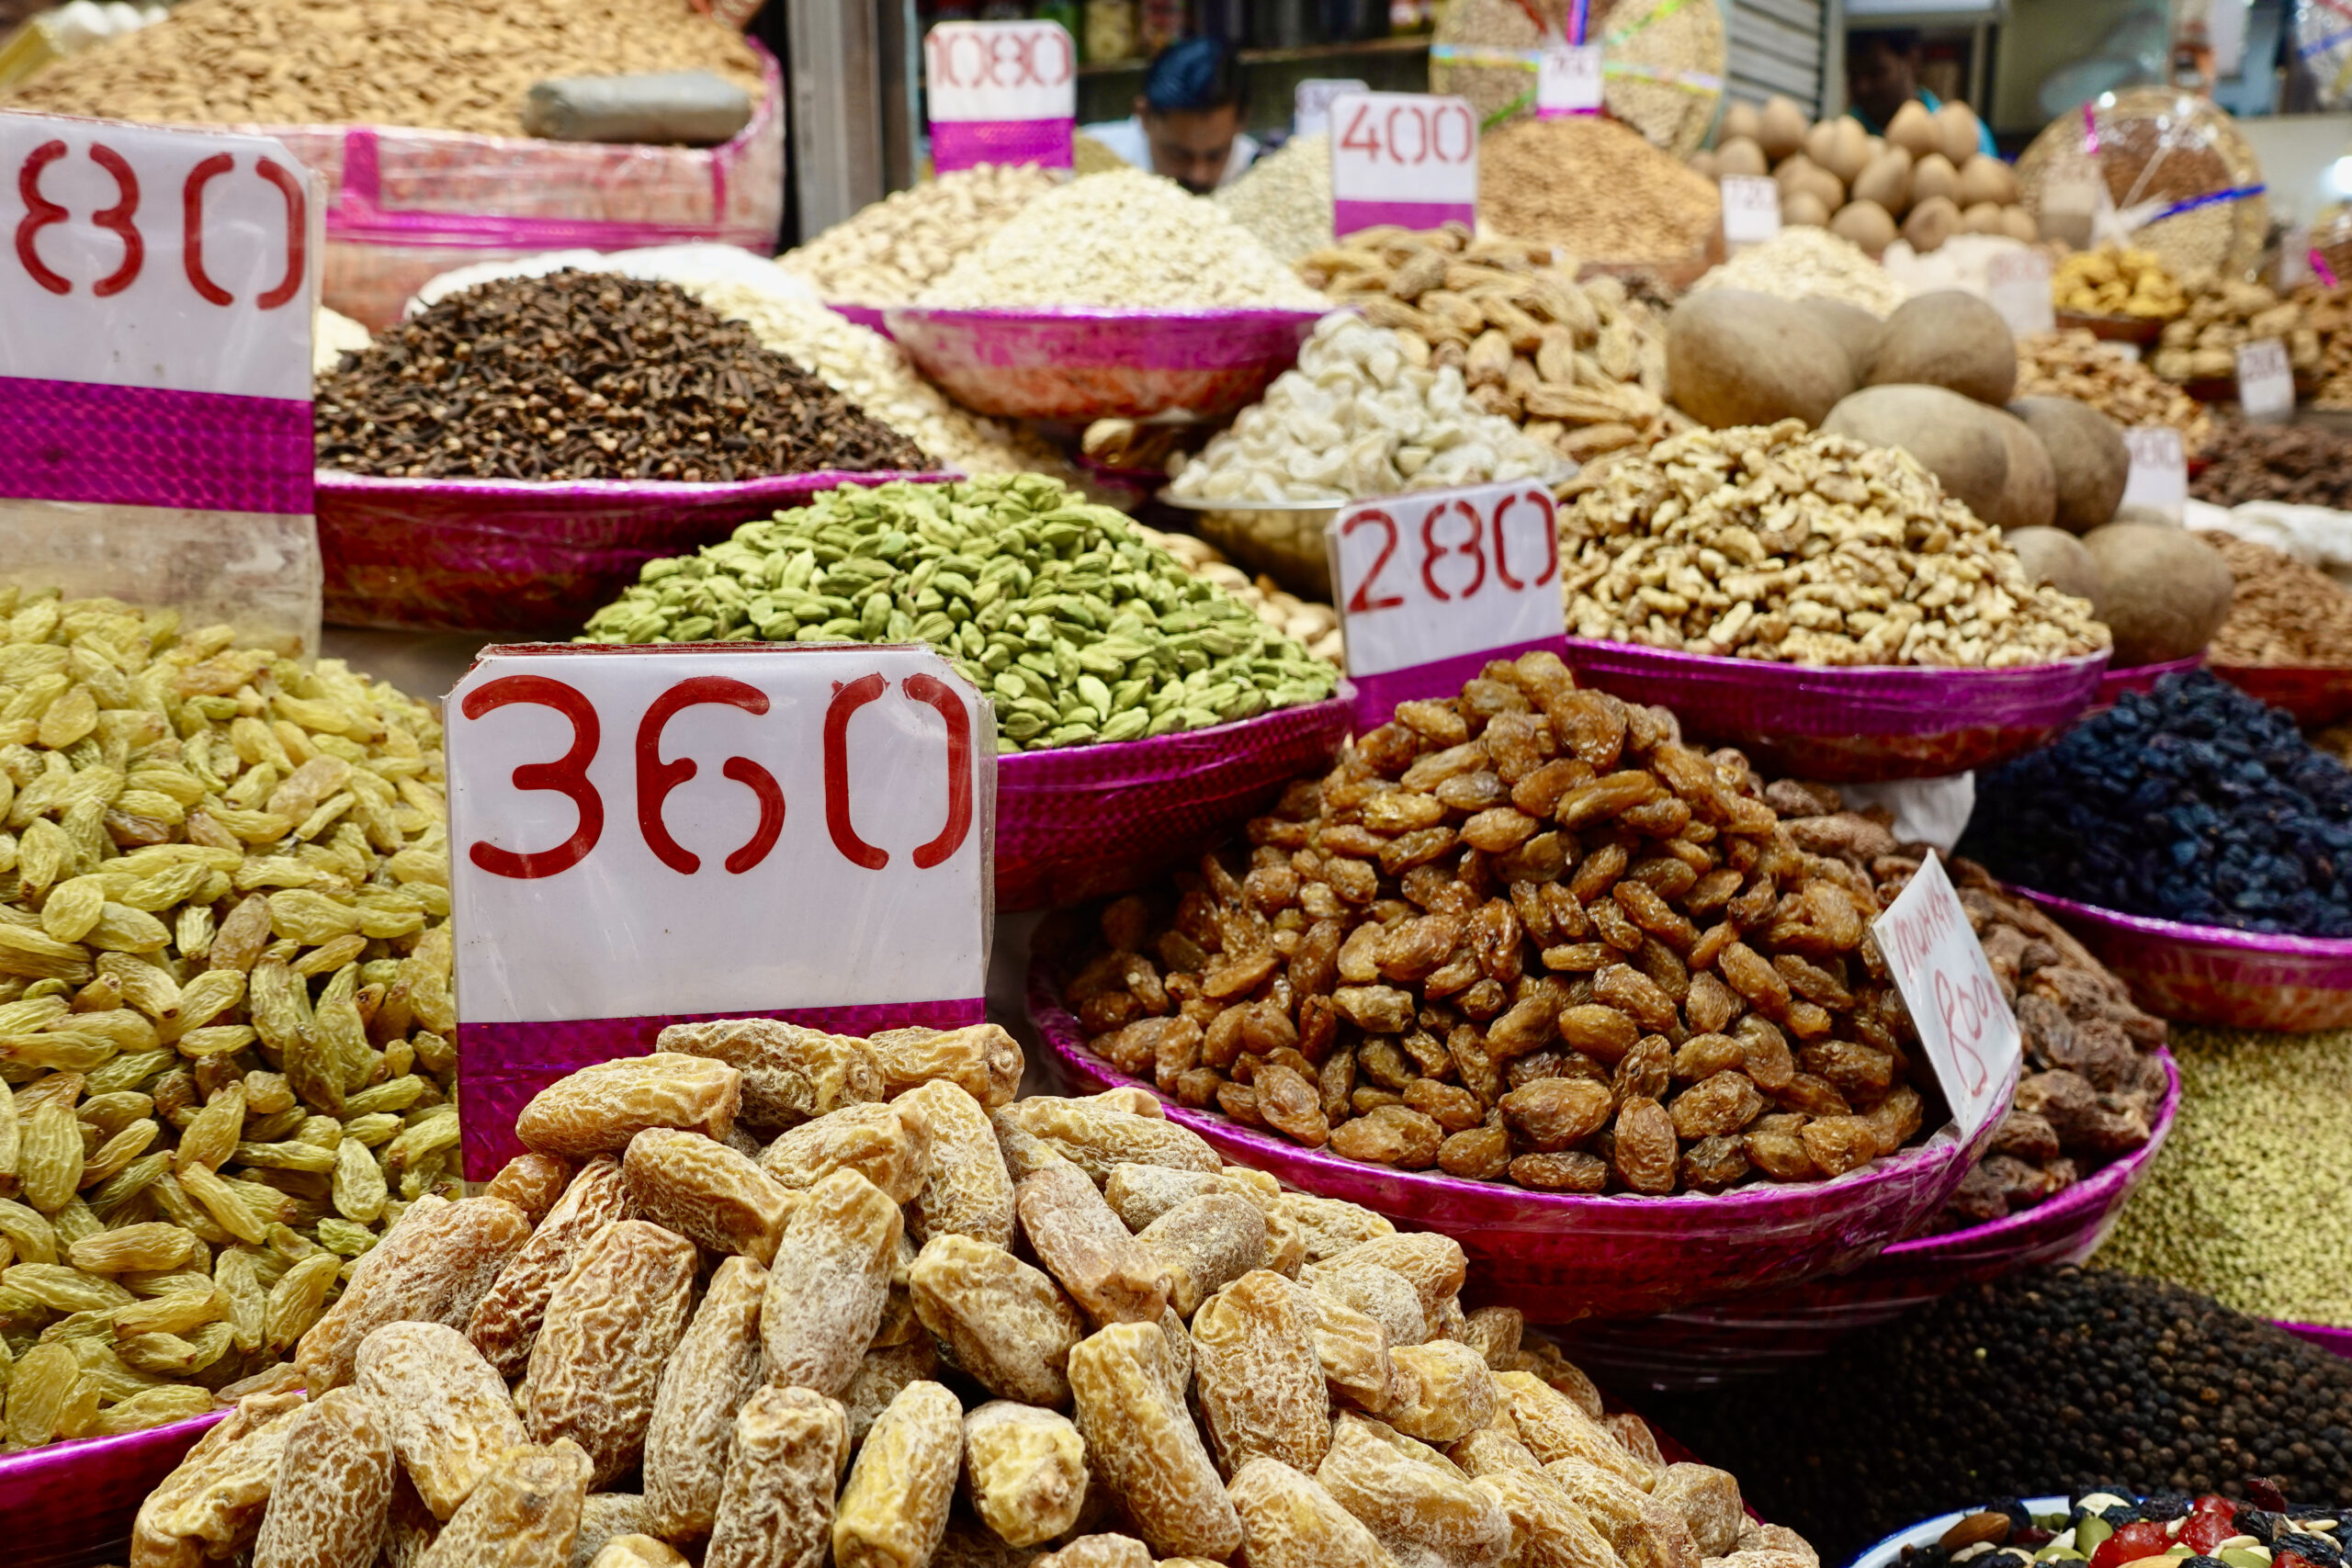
(2159, 473)
(1965, 1022)
(1404, 158)
(142, 257)
(1311, 102)
(1433, 584)
(2018, 285)
(2265, 379)
(1568, 80)
(1751, 209)
(644, 833)
(1001, 93)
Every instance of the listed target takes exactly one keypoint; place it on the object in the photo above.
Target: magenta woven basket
(2315, 694)
(2214, 975)
(866, 316)
(2337, 1340)
(519, 559)
(1080, 822)
(1765, 1333)
(1849, 726)
(70, 1504)
(1560, 1257)
(1079, 364)
(2113, 683)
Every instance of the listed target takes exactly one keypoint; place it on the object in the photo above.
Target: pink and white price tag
(645, 836)
(1568, 80)
(1964, 1024)
(1433, 585)
(2017, 284)
(2265, 379)
(1751, 209)
(1405, 158)
(1001, 93)
(2158, 476)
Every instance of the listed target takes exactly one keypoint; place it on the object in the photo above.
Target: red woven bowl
(2315, 694)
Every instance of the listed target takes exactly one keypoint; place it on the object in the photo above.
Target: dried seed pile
(436, 64)
(1522, 934)
(2252, 1197)
(2053, 1379)
(1768, 542)
(1596, 187)
(1284, 198)
(888, 251)
(1079, 627)
(2076, 364)
(224, 1005)
(2283, 612)
(2191, 802)
(1802, 262)
(1124, 239)
(869, 1300)
(2090, 1091)
(587, 375)
(2300, 463)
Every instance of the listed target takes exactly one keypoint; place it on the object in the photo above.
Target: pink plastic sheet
(2338, 1340)
(1080, 822)
(2213, 975)
(522, 559)
(1849, 726)
(69, 1504)
(2315, 694)
(1767, 1332)
(1560, 1257)
(866, 316)
(2114, 682)
(1081, 364)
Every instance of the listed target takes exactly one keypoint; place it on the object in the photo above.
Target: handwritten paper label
(2265, 379)
(1568, 80)
(1751, 209)
(2159, 473)
(1964, 1024)
(1311, 103)
(2017, 286)
(1001, 93)
(1403, 158)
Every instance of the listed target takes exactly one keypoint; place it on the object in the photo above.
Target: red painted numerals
(999, 57)
(121, 220)
(1409, 133)
(1460, 552)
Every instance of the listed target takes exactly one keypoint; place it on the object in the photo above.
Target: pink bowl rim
(379, 486)
(2156, 669)
(1484, 1202)
(62, 1456)
(2342, 672)
(2263, 944)
(1115, 315)
(2101, 1188)
(2074, 666)
(1037, 765)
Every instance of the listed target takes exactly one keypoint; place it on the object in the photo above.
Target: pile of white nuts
(1363, 413)
(1767, 542)
(1127, 239)
(890, 251)
(1801, 261)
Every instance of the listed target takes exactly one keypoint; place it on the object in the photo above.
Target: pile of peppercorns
(2053, 1380)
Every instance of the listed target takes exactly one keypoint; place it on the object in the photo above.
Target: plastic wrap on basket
(2315, 694)
(1561, 1257)
(70, 1504)
(2114, 683)
(517, 557)
(1765, 1333)
(1849, 725)
(2213, 975)
(406, 205)
(1080, 822)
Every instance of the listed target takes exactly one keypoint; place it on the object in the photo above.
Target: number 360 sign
(643, 833)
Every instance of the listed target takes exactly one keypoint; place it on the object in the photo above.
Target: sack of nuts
(872, 1372)
(1524, 934)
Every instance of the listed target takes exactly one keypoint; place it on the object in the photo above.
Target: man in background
(1883, 74)
(1187, 124)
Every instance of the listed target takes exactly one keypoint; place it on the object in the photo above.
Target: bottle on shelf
(1110, 30)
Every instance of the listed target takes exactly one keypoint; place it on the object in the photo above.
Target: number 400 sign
(1407, 158)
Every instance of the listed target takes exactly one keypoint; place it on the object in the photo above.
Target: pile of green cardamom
(1058, 608)
(2251, 1200)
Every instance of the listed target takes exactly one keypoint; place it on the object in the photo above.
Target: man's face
(1880, 81)
(1192, 146)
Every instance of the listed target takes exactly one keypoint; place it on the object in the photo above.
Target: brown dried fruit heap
(1524, 934)
(587, 375)
(1349, 1410)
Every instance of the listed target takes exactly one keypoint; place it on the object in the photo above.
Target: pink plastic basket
(1561, 1257)
(866, 316)
(1081, 364)
(70, 1504)
(2315, 694)
(1849, 726)
(1084, 821)
(2214, 975)
(519, 559)
(2338, 1340)
(1767, 1332)
(2114, 682)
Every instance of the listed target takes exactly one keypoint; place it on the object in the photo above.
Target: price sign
(1751, 209)
(1965, 1022)
(1404, 158)
(1568, 80)
(2265, 379)
(1001, 93)
(1311, 104)
(643, 836)
(1433, 585)
(2159, 472)
(2018, 285)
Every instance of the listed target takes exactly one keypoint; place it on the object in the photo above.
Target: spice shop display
(2231, 1207)
(2304, 464)
(887, 253)
(2201, 346)
(2180, 175)
(226, 963)
(2075, 363)
(871, 1371)
(2282, 613)
(1284, 198)
(2056, 1379)
(1598, 189)
(1578, 365)
(1802, 262)
(2115, 281)
(1964, 261)
(1663, 63)
(1927, 179)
